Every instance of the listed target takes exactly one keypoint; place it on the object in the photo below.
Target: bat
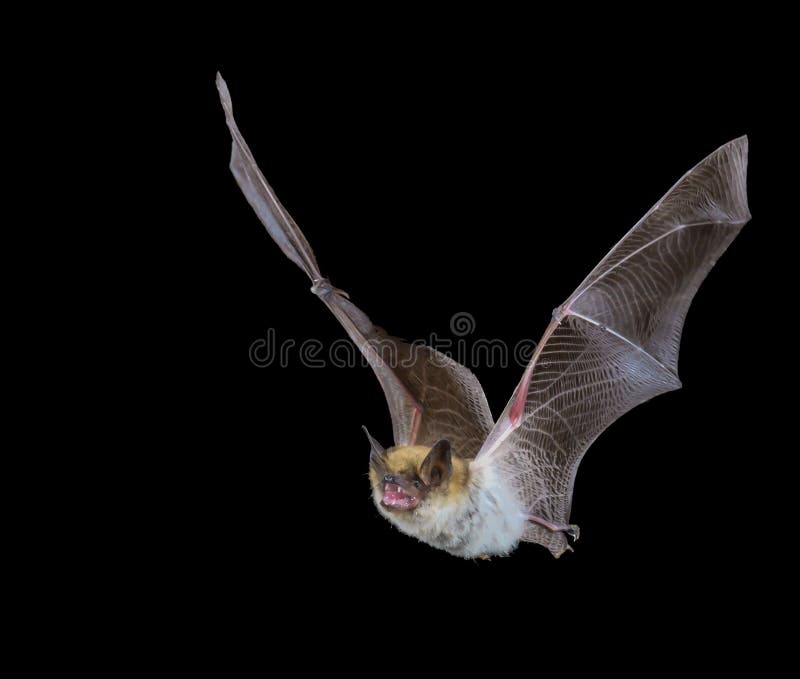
(457, 479)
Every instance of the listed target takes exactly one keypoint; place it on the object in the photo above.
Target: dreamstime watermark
(270, 351)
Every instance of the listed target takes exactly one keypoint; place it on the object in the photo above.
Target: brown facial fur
(405, 465)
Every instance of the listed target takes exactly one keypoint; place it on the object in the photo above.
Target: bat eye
(417, 484)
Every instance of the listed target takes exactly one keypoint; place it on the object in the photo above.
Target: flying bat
(474, 487)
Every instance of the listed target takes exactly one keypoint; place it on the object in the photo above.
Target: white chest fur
(486, 519)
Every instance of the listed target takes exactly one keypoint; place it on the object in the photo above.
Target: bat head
(406, 478)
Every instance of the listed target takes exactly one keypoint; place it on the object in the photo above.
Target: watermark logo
(462, 324)
(463, 347)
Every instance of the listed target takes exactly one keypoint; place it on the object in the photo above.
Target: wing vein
(647, 245)
(611, 331)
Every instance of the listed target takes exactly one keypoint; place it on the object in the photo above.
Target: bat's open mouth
(394, 497)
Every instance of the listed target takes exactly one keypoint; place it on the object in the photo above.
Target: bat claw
(572, 529)
(322, 286)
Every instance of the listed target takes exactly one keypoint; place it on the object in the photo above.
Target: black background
(482, 183)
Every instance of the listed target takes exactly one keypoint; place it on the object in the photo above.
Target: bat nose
(389, 479)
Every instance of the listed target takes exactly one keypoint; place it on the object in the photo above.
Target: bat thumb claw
(322, 286)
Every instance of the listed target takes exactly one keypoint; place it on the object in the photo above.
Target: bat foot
(484, 557)
(572, 529)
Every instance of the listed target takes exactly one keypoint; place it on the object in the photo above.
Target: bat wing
(614, 343)
(429, 395)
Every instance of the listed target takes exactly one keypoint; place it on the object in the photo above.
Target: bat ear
(377, 447)
(438, 465)
(376, 452)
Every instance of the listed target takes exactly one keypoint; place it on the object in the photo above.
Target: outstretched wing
(430, 396)
(614, 343)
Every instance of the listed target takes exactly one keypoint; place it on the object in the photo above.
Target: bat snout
(397, 494)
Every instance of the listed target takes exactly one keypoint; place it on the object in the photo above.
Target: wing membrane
(614, 343)
(429, 395)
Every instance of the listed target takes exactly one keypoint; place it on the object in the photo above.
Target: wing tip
(738, 145)
(730, 164)
(224, 97)
(741, 146)
(222, 86)
(742, 140)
